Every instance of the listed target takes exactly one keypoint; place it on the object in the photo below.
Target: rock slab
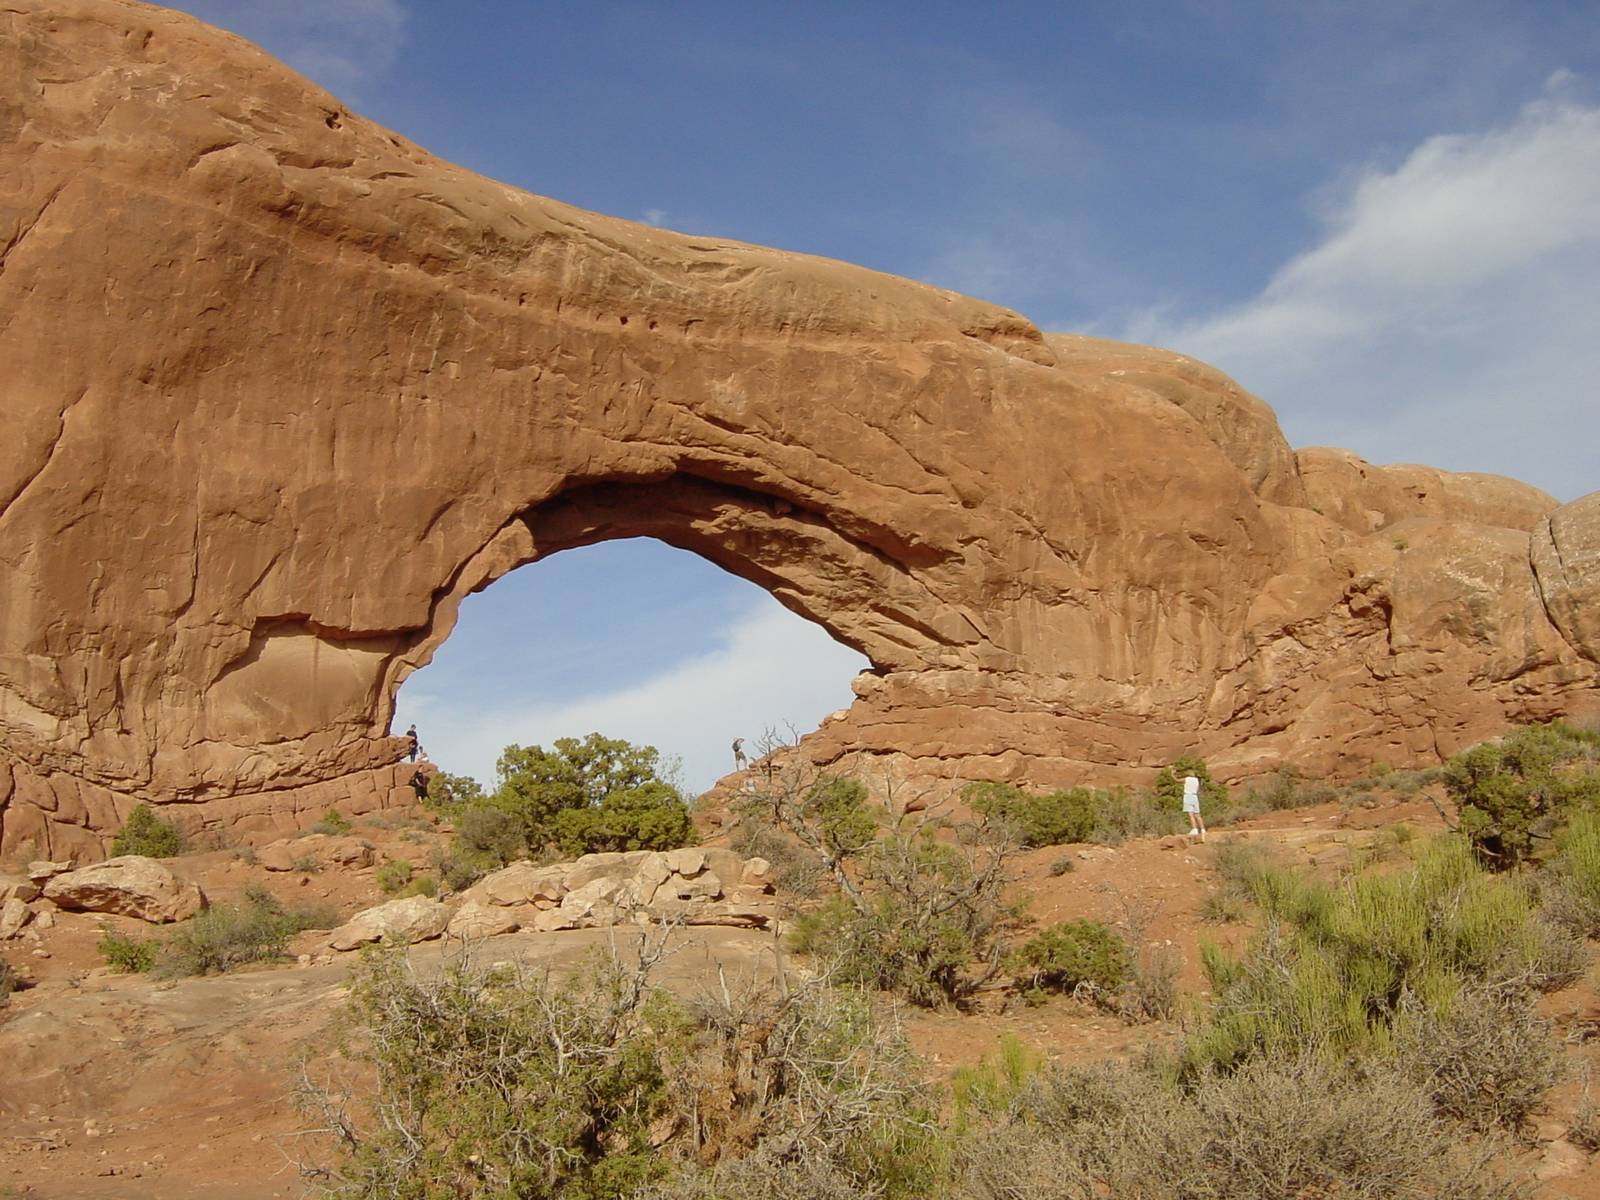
(130, 886)
(412, 919)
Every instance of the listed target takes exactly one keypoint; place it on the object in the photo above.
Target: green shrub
(1335, 965)
(1070, 957)
(754, 1094)
(1062, 866)
(1575, 870)
(1169, 786)
(1040, 819)
(1513, 791)
(393, 876)
(449, 794)
(582, 796)
(147, 834)
(1122, 814)
(652, 816)
(1488, 1060)
(226, 936)
(1286, 788)
(993, 1087)
(837, 809)
(1278, 1129)
(421, 885)
(796, 873)
(486, 839)
(130, 956)
(9, 981)
(930, 922)
(333, 823)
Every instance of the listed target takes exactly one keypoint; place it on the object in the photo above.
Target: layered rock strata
(282, 388)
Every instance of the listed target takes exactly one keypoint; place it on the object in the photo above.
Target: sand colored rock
(376, 383)
(14, 914)
(131, 886)
(17, 887)
(477, 920)
(1364, 498)
(412, 919)
(1566, 562)
(520, 883)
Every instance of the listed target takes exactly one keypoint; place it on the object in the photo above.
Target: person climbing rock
(738, 754)
(1191, 805)
(413, 746)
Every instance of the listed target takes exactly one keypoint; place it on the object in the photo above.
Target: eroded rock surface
(130, 885)
(282, 388)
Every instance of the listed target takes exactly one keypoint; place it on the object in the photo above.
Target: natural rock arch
(284, 387)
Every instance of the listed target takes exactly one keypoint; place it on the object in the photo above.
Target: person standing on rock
(738, 754)
(413, 746)
(1191, 805)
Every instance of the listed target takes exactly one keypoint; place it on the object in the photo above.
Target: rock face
(132, 886)
(374, 383)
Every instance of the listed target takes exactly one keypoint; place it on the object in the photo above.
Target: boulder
(707, 885)
(14, 915)
(603, 866)
(412, 919)
(598, 900)
(17, 887)
(43, 869)
(520, 883)
(130, 886)
(687, 861)
(349, 852)
(757, 873)
(284, 854)
(555, 920)
(477, 920)
(725, 864)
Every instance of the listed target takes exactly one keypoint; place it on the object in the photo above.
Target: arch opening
(632, 637)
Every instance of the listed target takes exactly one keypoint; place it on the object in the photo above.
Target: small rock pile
(692, 885)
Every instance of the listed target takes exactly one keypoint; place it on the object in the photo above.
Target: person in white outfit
(1191, 805)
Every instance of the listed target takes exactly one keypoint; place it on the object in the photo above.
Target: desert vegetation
(583, 795)
(219, 938)
(148, 834)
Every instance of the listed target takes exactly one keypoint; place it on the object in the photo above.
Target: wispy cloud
(342, 44)
(1449, 311)
(773, 669)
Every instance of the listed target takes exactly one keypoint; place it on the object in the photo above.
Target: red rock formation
(282, 388)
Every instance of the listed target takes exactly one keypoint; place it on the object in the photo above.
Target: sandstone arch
(284, 387)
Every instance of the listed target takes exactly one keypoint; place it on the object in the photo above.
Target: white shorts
(1191, 804)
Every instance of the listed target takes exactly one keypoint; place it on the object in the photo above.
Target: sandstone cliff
(282, 388)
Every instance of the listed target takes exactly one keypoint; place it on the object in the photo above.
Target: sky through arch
(630, 638)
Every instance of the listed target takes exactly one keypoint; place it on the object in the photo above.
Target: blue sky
(1384, 218)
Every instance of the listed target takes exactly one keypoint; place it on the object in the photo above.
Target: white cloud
(341, 44)
(654, 216)
(1450, 312)
(773, 669)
